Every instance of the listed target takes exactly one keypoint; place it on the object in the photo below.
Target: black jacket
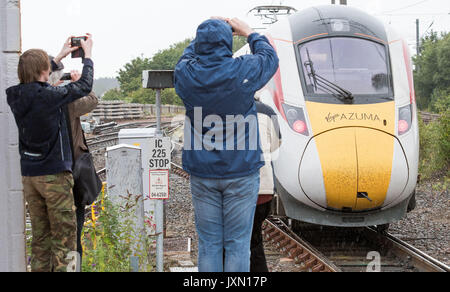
(43, 136)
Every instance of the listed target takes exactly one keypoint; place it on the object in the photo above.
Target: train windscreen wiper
(326, 85)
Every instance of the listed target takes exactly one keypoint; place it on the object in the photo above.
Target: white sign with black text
(159, 164)
(160, 156)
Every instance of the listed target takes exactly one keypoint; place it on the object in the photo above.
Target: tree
(130, 76)
(238, 43)
(432, 74)
(113, 94)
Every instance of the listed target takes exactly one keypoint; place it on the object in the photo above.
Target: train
(345, 100)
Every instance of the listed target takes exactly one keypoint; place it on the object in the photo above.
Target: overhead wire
(405, 7)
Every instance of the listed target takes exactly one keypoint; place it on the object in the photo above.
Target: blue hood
(214, 40)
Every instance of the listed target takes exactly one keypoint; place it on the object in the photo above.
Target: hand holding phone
(76, 42)
(65, 51)
(84, 45)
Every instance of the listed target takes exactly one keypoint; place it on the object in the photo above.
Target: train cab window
(354, 65)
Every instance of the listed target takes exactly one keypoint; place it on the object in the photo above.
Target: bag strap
(85, 142)
(69, 131)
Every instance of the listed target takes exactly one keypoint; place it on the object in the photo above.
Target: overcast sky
(124, 30)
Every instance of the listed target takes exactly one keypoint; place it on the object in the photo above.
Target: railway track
(329, 249)
(317, 248)
(104, 141)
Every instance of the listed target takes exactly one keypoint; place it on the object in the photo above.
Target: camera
(66, 77)
(76, 42)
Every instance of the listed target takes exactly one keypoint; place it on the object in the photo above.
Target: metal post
(158, 80)
(159, 210)
(158, 113)
(418, 36)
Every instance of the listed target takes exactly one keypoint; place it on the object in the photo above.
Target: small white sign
(159, 185)
(160, 156)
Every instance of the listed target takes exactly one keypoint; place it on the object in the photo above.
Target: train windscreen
(334, 65)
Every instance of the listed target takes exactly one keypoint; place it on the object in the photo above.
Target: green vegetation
(432, 81)
(432, 74)
(109, 239)
(130, 75)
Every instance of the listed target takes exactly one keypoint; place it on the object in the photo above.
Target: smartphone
(66, 77)
(76, 42)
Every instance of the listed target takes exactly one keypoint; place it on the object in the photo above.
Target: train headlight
(404, 119)
(296, 119)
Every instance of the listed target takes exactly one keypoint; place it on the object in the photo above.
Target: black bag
(87, 183)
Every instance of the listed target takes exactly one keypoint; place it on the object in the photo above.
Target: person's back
(221, 150)
(43, 135)
(213, 84)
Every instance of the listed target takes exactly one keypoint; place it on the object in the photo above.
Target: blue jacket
(44, 143)
(217, 87)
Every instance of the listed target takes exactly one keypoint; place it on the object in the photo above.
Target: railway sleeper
(278, 238)
(293, 253)
(268, 230)
(318, 268)
(290, 247)
(282, 244)
(311, 262)
(273, 234)
(302, 257)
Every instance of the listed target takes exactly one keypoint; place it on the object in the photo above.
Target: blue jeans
(224, 213)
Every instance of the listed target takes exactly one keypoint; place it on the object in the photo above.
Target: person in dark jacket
(76, 110)
(221, 150)
(46, 158)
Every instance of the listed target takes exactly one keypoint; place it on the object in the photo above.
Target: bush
(435, 147)
(109, 239)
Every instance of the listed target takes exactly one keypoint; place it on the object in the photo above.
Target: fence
(429, 117)
(119, 110)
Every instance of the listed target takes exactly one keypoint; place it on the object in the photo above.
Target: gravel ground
(428, 226)
(180, 220)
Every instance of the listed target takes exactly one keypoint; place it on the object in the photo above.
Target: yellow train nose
(354, 150)
(356, 165)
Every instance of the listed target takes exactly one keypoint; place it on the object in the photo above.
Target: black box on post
(157, 79)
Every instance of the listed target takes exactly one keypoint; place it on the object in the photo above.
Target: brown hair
(31, 64)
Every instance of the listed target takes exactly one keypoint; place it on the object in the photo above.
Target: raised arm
(60, 96)
(263, 64)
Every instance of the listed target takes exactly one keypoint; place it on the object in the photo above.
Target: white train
(345, 100)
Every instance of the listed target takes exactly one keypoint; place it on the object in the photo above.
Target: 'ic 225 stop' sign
(160, 160)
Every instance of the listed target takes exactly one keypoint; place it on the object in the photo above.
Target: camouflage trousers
(52, 211)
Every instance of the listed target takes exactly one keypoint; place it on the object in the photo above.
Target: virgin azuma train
(345, 101)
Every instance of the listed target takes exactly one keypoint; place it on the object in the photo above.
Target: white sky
(124, 30)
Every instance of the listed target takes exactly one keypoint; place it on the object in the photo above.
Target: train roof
(335, 20)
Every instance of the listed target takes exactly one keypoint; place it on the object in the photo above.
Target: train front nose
(356, 165)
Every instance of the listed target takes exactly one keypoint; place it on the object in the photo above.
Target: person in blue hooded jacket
(222, 149)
